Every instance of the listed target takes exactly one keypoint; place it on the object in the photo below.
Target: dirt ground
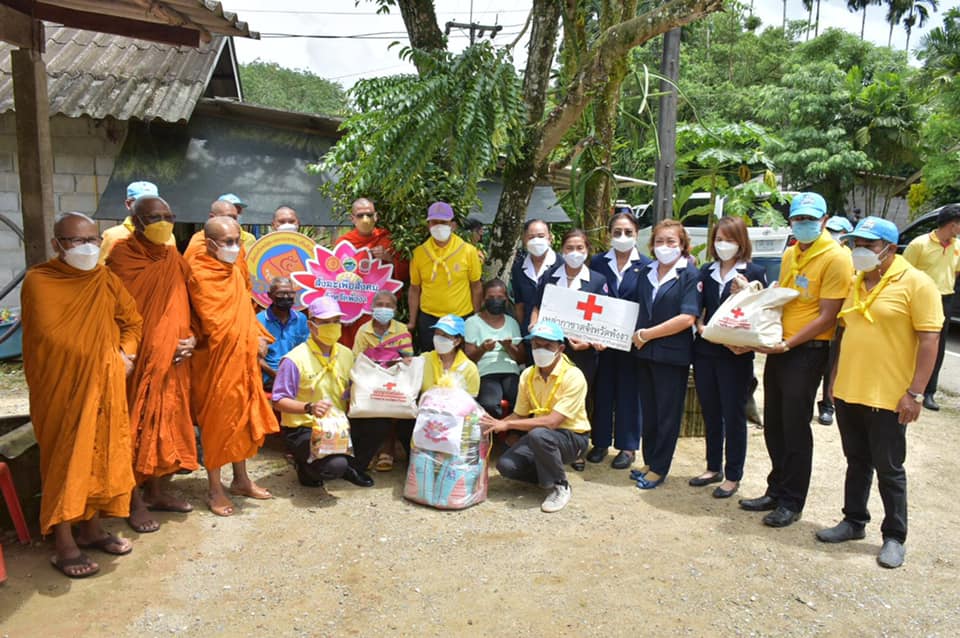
(616, 562)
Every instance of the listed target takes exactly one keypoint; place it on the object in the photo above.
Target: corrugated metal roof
(101, 75)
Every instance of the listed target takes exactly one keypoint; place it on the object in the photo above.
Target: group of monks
(122, 357)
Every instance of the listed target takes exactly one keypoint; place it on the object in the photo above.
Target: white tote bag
(379, 392)
(750, 318)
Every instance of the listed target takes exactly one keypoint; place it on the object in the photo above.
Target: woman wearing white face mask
(571, 271)
(447, 357)
(616, 418)
(529, 270)
(669, 298)
(724, 376)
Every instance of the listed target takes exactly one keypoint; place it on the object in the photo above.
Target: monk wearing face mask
(158, 391)
(228, 400)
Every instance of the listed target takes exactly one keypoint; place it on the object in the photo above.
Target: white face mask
(290, 227)
(538, 246)
(575, 260)
(228, 254)
(725, 249)
(623, 243)
(82, 257)
(443, 345)
(543, 357)
(441, 232)
(666, 255)
(865, 259)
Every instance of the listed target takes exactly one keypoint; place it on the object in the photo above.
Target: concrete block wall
(84, 151)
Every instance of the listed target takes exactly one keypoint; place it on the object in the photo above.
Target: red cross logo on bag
(736, 312)
(590, 307)
(389, 386)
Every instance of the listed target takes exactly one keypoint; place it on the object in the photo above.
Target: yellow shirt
(317, 383)
(877, 360)
(570, 399)
(463, 370)
(366, 338)
(825, 276)
(248, 239)
(444, 276)
(117, 233)
(941, 263)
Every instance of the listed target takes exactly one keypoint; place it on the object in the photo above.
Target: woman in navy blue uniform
(571, 271)
(616, 414)
(669, 297)
(529, 269)
(724, 375)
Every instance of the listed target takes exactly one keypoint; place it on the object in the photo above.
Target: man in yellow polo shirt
(445, 276)
(887, 350)
(551, 409)
(311, 379)
(938, 255)
(820, 270)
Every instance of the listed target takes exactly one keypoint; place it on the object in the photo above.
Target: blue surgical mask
(383, 315)
(806, 231)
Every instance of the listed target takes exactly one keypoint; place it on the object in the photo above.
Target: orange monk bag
(330, 435)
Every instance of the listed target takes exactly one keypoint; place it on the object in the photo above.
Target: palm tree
(917, 15)
(896, 9)
(784, 15)
(939, 49)
(808, 5)
(861, 5)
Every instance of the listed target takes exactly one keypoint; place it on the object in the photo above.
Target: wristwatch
(308, 408)
(917, 396)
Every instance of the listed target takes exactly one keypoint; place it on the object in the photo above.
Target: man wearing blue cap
(551, 409)
(888, 347)
(820, 271)
(126, 228)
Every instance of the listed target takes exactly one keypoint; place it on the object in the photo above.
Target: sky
(347, 60)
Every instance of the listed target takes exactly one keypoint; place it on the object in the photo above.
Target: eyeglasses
(229, 243)
(79, 241)
(362, 215)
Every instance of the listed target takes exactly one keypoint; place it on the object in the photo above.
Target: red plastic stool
(16, 513)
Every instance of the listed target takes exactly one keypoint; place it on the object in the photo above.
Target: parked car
(924, 225)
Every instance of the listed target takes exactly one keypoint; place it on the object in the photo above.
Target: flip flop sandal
(263, 496)
(64, 564)
(225, 510)
(579, 465)
(171, 508)
(104, 545)
(145, 528)
(384, 463)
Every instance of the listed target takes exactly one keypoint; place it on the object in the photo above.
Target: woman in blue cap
(448, 358)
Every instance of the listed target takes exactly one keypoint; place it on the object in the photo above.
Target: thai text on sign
(590, 317)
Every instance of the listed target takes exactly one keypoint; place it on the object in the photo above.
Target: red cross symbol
(736, 312)
(589, 307)
(389, 386)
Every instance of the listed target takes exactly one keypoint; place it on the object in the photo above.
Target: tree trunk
(667, 128)
(816, 24)
(890, 36)
(420, 20)
(863, 23)
(784, 15)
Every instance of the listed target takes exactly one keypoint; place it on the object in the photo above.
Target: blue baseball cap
(875, 228)
(450, 324)
(547, 330)
(140, 189)
(839, 224)
(810, 204)
(233, 199)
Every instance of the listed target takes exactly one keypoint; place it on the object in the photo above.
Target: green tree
(269, 84)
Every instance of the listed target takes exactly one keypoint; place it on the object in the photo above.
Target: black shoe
(719, 492)
(699, 481)
(305, 479)
(842, 531)
(929, 403)
(763, 504)
(826, 414)
(360, 479)
(579, 465)
(623, 460)
(597, 454)
(781, 517)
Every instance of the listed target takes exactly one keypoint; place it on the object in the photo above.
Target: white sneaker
(557, 499)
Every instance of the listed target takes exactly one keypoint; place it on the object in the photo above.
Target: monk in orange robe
(158, 391)
(80, 336)
(227, 393)
(219, 208)
(365, 234)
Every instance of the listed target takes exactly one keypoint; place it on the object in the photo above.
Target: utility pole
(476, 29)
(667, 127)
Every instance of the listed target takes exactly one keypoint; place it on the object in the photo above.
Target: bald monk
(228, 400)
(125, 228)
(365, 234)
(158, 391)
(80, 335)
(285, 218)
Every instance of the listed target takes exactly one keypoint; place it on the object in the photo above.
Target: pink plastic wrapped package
(448, 452)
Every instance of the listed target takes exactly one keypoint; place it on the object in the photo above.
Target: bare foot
(652, 477)
(169, 503)
(250, 489)
(729, 485)
(219, 504)
(140, 521)
(76, 566)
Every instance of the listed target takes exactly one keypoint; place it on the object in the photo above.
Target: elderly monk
(228, 399)
(158, 391)
(80, 335)
(285, 218)
(125, 228)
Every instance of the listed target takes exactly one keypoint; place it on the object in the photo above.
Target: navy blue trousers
(663, 390)
(616, 411)
(723, 386)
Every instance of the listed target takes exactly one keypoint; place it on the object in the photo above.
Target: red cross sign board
(590, 317)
